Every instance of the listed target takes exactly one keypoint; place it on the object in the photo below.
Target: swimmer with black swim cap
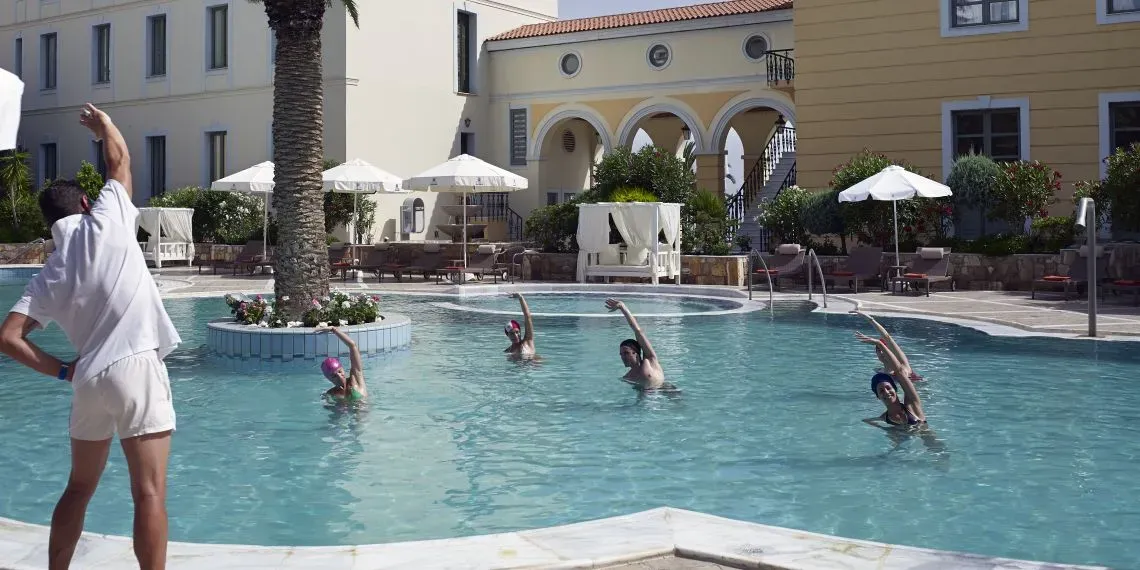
(645, 371)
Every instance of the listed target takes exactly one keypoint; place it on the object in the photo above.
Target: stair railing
(751, 271)
(812, 257)
(23, 250)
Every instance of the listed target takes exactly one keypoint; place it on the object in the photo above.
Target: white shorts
(130, 397)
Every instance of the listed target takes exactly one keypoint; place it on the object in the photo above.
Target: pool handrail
(767, 273)
(20, 252)
(822, 282)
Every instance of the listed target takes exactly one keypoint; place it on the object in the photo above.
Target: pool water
(582, 305)
(1034, 454)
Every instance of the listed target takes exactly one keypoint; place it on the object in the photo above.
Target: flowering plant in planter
(1024, 190)
(338, 309)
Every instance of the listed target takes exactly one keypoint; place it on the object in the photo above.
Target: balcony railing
(781, 67)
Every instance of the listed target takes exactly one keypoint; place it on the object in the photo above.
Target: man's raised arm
(115, 152)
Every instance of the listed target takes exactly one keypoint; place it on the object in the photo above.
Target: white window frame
(1105, 121)
(42, 155)
(148, 60)
(43, 62)
(982, 103)
(949, 31)
(749, 38)
(649, 60)
(472, 48)
(510, 140)
(209, 60)
(565, 55)
(95, 54)
(150, 161)
(1103, 17)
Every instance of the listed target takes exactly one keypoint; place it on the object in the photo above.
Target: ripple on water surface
(1033, 453)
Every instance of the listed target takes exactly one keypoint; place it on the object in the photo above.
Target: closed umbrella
(257, 179)
(895, 183)
(358, 177)
(466, 174)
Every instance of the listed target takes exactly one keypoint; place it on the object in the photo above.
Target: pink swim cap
(329, 368)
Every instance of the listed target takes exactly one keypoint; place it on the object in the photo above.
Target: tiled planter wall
(233, 341)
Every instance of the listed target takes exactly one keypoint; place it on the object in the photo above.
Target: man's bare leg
(146, 461)
(88, 458)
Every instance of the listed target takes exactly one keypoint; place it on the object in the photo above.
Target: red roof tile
(697, 12)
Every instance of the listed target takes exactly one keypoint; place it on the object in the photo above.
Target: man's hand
(71, 369)
(614, 304)
(95, 120)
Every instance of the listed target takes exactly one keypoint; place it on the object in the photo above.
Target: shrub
(632, 195)
(219, 217)
(554, 228)
(651, 168)
(872, 221)
(1121, 187)
(972, 180)
(1050, 234)
(1093, 189)
(1024, 190)
(784, 216)
(20, 217)
(708, 225)
(89, 180)
(821, 216)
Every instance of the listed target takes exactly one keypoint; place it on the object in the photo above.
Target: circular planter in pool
(234, 341)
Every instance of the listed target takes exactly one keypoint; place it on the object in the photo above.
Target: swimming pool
(1035, 454)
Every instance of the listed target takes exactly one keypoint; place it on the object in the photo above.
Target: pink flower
(259, 298)
(316, 303)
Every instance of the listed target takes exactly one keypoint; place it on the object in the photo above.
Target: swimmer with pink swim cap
(522, 342)
(347, 385)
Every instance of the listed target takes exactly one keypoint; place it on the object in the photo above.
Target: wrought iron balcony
(781, 68)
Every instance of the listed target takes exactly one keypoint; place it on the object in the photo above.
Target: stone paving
(670, 563)
(1050, 313)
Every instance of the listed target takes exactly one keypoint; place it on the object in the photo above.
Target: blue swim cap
(879, 378)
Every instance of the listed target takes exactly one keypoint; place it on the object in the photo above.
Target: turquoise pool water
(1035, 457)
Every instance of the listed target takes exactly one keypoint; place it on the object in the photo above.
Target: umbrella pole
(464, 275)
(895, 205)
(355, 220)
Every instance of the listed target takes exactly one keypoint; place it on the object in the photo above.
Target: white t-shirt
(96, 286)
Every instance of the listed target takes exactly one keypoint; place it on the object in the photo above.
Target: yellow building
(926, 80)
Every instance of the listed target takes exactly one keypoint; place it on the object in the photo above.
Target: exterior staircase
(775, 171)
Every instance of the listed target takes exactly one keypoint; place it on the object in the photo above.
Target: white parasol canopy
(257, 179)
(465, 174)
(359, 177)
(11, 91)
(895, 183)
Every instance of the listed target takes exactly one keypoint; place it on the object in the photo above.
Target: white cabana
(466, 174)
(358, 177)
(257, 179)
(11, 91)
(171, 234)
(895, 183)
(640, 225)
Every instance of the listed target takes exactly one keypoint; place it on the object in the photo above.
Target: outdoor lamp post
(1086, 218)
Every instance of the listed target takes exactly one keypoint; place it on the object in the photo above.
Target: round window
(570, 64)
(659, 55)
(755, 47)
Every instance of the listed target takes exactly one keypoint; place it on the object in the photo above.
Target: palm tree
(15, 176)
(301, 261)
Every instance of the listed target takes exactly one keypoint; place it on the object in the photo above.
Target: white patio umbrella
(257, 179)
(466, 174)
(895, 183)
(11, 90)
(358, 177)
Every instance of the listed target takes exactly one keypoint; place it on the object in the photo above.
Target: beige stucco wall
(876, 74)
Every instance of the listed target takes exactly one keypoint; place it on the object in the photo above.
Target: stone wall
(405, 251)
(19, 253)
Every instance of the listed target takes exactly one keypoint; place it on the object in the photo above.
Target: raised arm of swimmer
(528, 321)
(647, 352)
(902, 376)
(890, 344)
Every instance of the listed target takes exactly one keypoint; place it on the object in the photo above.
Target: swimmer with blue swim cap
(645, 372)
(885, 386)
(522, 342)
(347, 386)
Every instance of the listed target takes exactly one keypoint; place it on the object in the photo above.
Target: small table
(898, 271)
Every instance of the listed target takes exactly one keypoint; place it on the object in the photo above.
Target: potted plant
(744, 241)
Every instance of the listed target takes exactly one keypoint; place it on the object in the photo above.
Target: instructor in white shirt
(97, 288)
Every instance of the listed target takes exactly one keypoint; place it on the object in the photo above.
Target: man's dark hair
(636, 346)
(61, 198)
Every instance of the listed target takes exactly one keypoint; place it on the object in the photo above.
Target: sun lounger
(484, 262)
(862, 264)
(431, 262)
(932, 266)
(1076, 279)
(378, 260)
(787, 263)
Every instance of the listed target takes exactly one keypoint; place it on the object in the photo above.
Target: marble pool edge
(599, 543)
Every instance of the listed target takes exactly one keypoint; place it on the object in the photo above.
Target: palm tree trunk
(301, 259)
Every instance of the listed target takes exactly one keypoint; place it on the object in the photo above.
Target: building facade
(1050, 80)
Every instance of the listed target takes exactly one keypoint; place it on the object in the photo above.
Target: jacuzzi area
(761, 458)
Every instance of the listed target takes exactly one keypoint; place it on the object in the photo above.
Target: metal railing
(782, 141)
(766, 234)
(822, 282)
(516, 225)
(497, 208)
(781, 67)
(23, 251)
(752, 270)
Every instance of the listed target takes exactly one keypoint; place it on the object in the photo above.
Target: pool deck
(1011, 311)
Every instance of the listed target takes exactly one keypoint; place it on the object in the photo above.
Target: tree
(301, 260)
(972, 179)
(15, 176)
(89, 179)
(1024, 190)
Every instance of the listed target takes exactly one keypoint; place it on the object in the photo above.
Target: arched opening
(569, 150)
(664, 130)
